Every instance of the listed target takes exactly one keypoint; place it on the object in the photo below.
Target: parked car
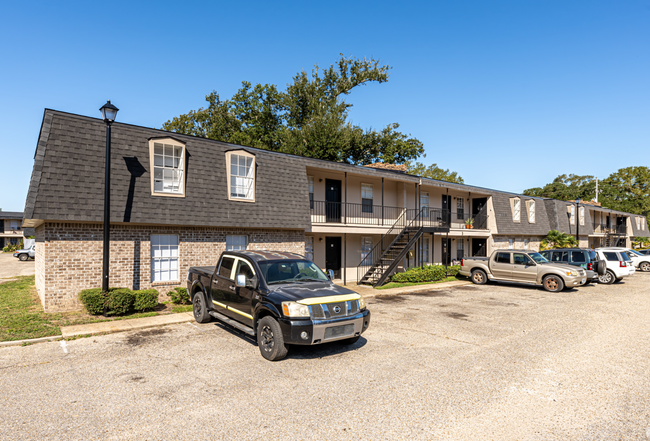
(584, 258)
(640, 261)
(25, 254)
(619, 265)
(524, 267)
(644, 252)
(279, 298)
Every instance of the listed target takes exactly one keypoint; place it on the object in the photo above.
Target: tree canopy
(309, 118)
(627, 189)
(433, 172)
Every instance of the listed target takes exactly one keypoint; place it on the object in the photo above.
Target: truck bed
(203, 270)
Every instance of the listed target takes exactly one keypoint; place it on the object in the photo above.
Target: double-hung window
(516, 210)
(460, 208)
(366, 248)
(460, 249)
(582, 215)
(14, 224)
(236, 243)
(424, 204)
(164, 257)
(572, 211)
(531, 212)
(167, 160)
(311, 192)
(366, 198)
(241, 176)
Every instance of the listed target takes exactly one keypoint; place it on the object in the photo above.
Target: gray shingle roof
(505, 223)
(11, 215)
(68, 180)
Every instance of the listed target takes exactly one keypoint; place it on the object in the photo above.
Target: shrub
(430, 273)
(93, 300)
(180, 296)
(453, 270)
(120, 301)
(145, 299)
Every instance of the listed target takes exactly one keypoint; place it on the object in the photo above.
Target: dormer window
(241, 176)
(515, 206)
(167, 161)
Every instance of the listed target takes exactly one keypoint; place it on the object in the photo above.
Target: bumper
(324, 331)
(575, 281)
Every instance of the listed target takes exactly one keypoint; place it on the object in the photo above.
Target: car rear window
(592, 255)
(612, 257)
(560, 256)
(626, 257)
(578, 257)
(502, 258)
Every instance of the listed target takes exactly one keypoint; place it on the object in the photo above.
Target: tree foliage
(556, 239)
(433, 172)
(627, 189)
(309, 118)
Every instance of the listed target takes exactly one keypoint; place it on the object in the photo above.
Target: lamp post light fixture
(578, 221)
(109, 112)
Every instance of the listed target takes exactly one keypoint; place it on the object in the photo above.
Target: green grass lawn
(400, 285)
(22, 316)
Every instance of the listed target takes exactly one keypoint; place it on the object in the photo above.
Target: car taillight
(590, 266)
(623, 264)
(461, 262)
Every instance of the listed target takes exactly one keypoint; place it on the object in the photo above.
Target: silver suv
(25, 254)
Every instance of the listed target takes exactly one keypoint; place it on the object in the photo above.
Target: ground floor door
(479, 248)
(333, 255)
(446, 251)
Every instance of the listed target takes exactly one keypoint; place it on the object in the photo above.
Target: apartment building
(11, 230)
(179, 201)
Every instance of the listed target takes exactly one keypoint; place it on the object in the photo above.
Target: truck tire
(608, 278)
(644, 266)
(200, 309)
(270, 339)
(553, 283)
(23, 257)
(479, 277)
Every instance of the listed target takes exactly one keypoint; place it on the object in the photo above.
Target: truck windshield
(538, 258)
(290, 271)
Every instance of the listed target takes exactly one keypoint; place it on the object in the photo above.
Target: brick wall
(69, 256)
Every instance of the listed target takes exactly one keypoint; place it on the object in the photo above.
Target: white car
(640, 261)
(618, 263)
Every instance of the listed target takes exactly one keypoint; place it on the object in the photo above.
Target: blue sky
(509, 94)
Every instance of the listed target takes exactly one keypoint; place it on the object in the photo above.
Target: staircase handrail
(400, 222)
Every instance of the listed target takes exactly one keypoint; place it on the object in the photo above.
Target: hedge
(430, 273)
(118, 301)
(179, 296)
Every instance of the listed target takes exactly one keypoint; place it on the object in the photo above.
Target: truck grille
(338, 331)
(334, 310)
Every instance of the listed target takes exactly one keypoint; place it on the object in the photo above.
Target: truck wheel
(350, 341)
(200, 309)
(23, 257)
(270, 339)
(553, 283)
(479, 277)
(645, 267)
(608, 278)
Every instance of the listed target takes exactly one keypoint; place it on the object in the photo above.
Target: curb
(125, 325)
(29, 341)
(406, 290)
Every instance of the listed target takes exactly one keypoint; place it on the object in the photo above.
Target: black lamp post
(578, 221)
(109, 112)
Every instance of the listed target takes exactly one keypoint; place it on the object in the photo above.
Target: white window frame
(247, 181)
(516, 210)
(581, 214)
(426, 246)
(310, 180)
(572, 211)
(367, 192)
(460, 245)
(424, 204)
(234, 242)
(531, 211)
(13, 224)
(511, 244)
(309, 248)
(176, 166)
(526, 243)
(164, 258)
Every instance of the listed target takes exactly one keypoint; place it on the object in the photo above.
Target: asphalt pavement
(494, 362)
(10, 266)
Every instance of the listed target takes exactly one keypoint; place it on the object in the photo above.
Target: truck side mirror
(241, 280)
(330, 274)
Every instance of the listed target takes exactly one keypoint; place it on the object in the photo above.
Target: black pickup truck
(279, 298)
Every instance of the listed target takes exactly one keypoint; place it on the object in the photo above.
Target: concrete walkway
(125, 325)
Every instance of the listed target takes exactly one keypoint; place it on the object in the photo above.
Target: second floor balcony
(354, 214)
(604, 228)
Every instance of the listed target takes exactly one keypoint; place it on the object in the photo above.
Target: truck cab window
(521, 259)
(244, 268)
(502, 258)
(225, 270)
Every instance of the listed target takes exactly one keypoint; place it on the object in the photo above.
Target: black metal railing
(352, 213)
(372, 257)
(606, 229)
(429, 217)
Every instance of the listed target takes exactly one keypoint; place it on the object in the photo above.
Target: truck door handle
(232, 288)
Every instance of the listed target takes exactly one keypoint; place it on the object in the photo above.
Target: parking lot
(494, 362)
(10, 266)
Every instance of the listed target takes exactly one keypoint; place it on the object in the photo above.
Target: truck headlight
(572, 273)
(362, 303)
(293, 309)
